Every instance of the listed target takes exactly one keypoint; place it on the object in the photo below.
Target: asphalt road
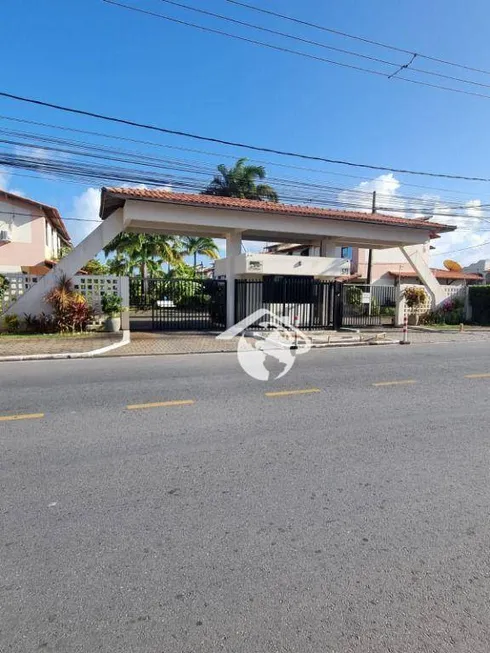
(354, 518)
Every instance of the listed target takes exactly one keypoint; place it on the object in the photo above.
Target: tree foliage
(241, 181)
(194, 246)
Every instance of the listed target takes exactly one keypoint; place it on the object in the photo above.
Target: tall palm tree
(146, 252)
(240, 181)
(199, 246)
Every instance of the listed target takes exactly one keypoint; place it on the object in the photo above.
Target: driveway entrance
(177, 304)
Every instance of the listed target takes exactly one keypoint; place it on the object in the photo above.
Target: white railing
(91, 287)
(451, 292)
(455, 291)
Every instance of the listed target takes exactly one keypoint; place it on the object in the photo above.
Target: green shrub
(112, 304)
(353, 295)
(388, 310)
(375, 309)
(39, 323)
(4, 285)
(12, 323)
(480, 304)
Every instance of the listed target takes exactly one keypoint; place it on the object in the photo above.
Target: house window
(278, 289)
(346, 252)
(305, 252)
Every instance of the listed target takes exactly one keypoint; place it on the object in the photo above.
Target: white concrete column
(424, 273)
(233, 249)
(124, 292)
(327, 248)
(32, 302)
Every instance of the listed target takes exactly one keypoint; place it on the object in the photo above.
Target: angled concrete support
(33, 300)
(424, 273)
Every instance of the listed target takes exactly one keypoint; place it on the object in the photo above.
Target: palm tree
(240, 181)
(146, 252)
(202, 246)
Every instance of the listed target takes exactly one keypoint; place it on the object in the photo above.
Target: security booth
(303, 290)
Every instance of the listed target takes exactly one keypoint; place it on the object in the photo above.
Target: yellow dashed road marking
(406, 382)
(161, 404)
(284, 393)
(12, 418)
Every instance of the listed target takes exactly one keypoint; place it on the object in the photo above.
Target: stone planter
(113, 324)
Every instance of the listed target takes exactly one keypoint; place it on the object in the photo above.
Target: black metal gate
(311, 303)
(181, 304)
(368, 305)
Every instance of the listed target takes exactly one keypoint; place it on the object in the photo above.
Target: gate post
(233, 249)
(124, 291)
(338, 307)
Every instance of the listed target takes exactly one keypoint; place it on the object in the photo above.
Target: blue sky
(99, 57)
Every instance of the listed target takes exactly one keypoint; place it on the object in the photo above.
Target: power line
(358, 38)
(463, 249)
(41, 215)
(243, 38)
(303, 54)
(398, 67)
(95, 151)
(255, 148)
(218, 154)
(278, 33)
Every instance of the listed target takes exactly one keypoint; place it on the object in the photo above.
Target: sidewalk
(158, 343)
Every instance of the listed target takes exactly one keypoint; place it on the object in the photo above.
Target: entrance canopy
(165, 212)
(160, 211)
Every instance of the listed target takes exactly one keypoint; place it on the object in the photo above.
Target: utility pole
(370, 254)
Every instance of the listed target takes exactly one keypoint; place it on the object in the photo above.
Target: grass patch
(50, 336)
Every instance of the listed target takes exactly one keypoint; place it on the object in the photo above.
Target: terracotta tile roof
(439, 274)
(50, 212)
(113, 198)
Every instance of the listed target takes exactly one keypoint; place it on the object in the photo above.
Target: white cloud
(360, 198)
(5, 178)
(472, 229)
(85, 209)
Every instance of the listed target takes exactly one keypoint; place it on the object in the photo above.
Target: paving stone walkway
(154, 344)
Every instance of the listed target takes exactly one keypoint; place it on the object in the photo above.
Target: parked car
(165, 303)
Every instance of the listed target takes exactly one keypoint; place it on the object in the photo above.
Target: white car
(165, 303)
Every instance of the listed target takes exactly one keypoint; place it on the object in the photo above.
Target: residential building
(32, 235)
(388, 266)
(480, 267)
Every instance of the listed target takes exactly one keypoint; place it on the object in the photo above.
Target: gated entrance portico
(158, 211)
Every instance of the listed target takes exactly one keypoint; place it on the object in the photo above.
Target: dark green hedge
(480, 304)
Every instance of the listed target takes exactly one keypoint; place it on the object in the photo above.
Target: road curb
(125, 340)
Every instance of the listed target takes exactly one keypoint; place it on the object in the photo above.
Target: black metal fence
(311, 303)
(368, 305)
(181, 304)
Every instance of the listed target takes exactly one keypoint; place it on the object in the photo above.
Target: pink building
(388, 266)
(31, 235)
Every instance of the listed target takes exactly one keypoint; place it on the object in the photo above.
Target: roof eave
(107, 207)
